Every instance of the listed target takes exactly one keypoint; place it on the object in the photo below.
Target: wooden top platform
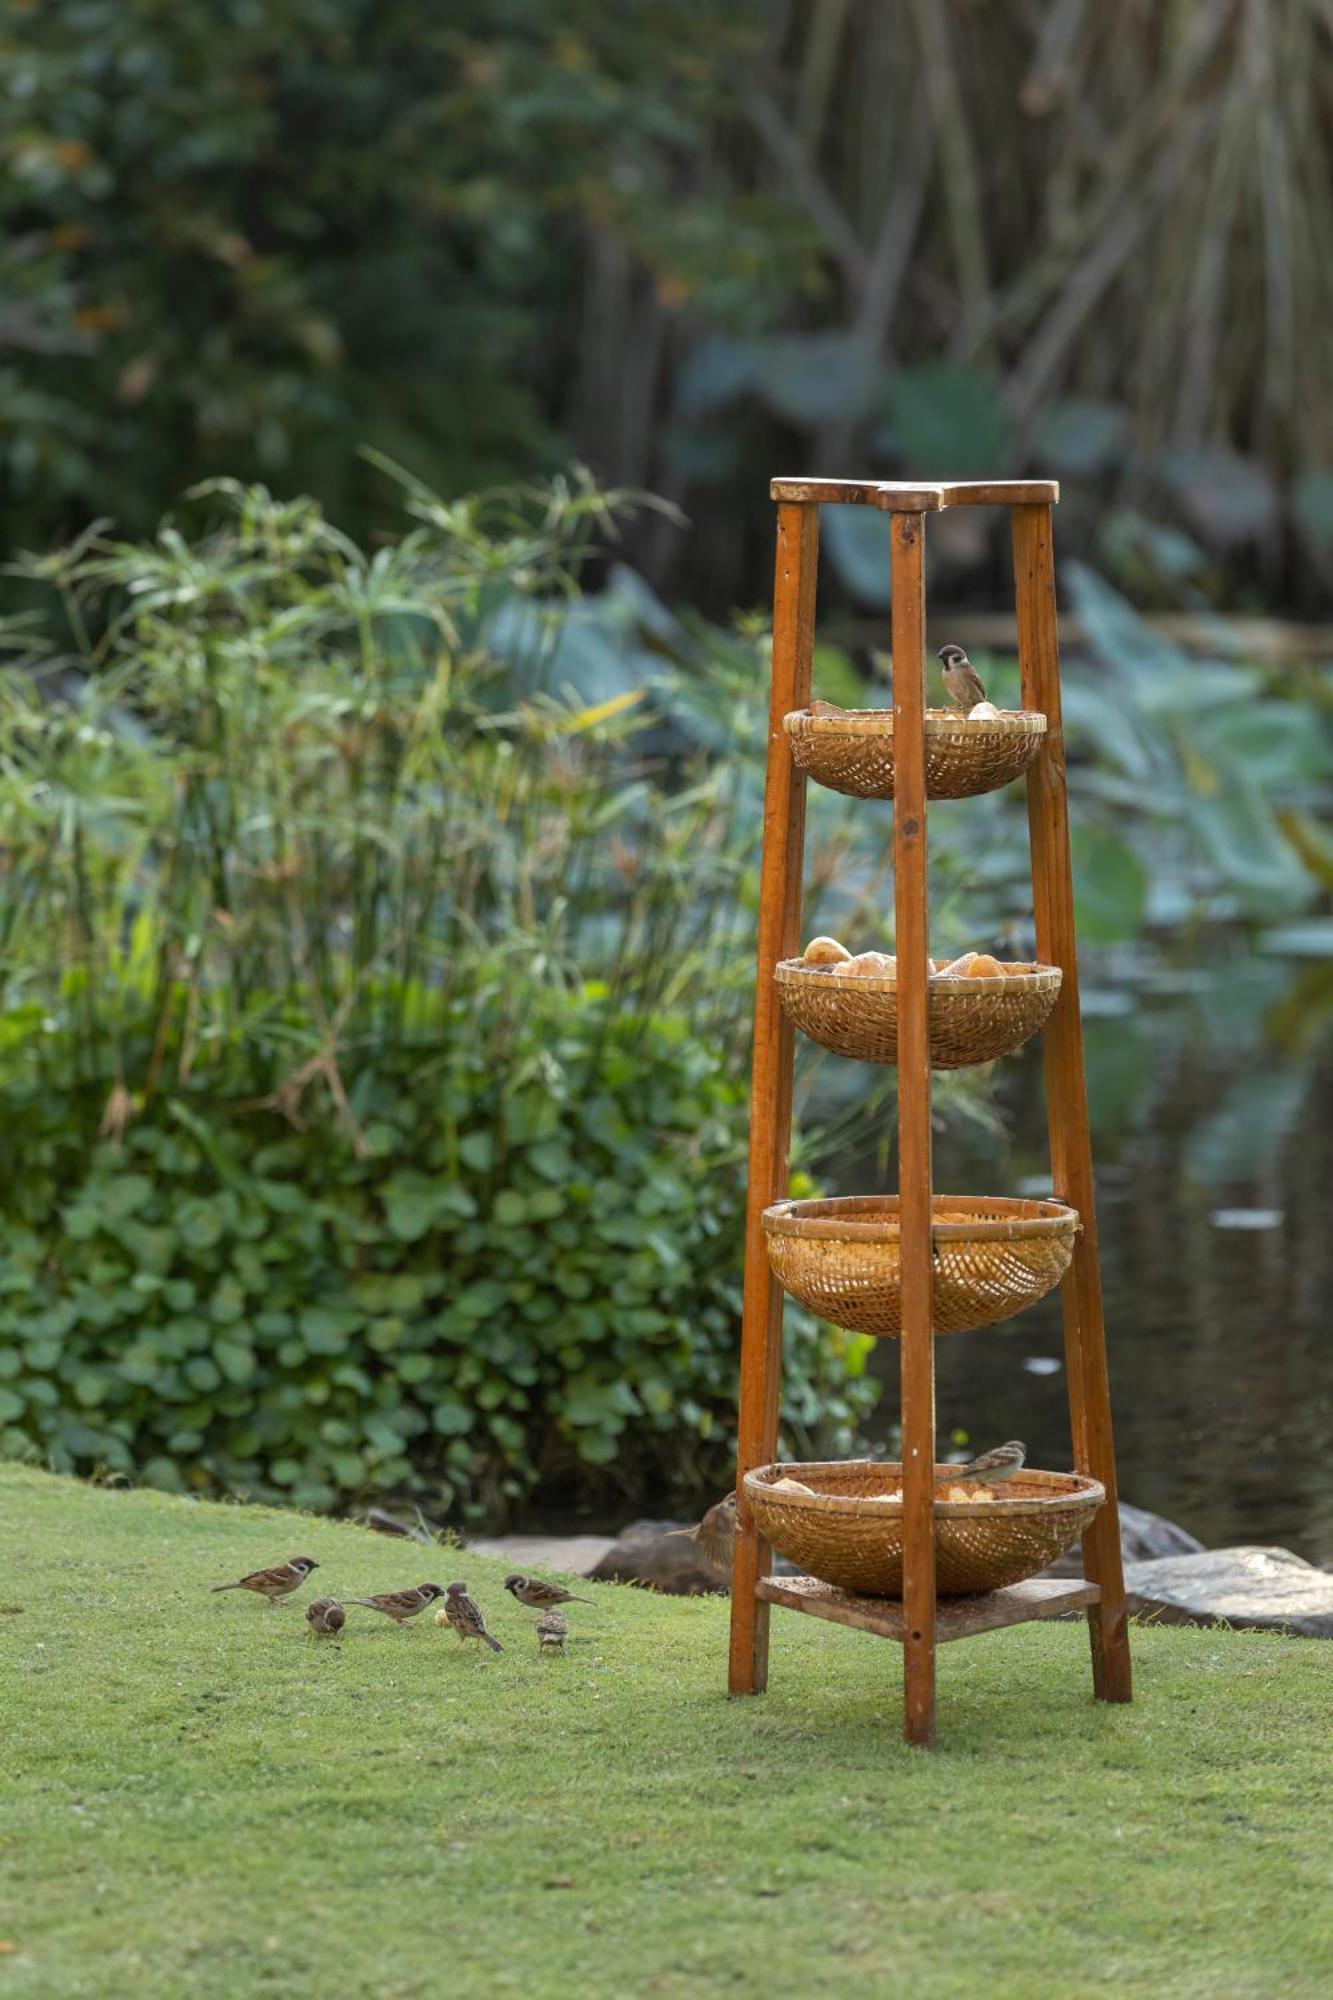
(955, 1617)
(899, 496)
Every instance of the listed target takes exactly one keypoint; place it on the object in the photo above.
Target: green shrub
(372, 1069)
(519, 1267)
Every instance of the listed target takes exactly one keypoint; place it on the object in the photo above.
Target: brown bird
(961, 681)
(389, 1524)
(274, 1583)
(992, 1466)
(538, 1594)
(400, 1605)
(715, 1535)
(552, 1632)
(464, 1614)
(325, 1617)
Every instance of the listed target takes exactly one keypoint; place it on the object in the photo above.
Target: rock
(1253, 1590)
(1143, 1538)
(571, 1555)
(648, 1552)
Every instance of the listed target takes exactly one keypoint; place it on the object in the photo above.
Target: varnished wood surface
(771, 1073)
(955, 1617)
(919, 1622)
(1066, 1093)
(911, 925)
(899, 496)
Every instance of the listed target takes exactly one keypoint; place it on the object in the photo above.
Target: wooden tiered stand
(920, 1622)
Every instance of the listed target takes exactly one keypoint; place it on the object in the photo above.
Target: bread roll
(866, 965)
(825, 951)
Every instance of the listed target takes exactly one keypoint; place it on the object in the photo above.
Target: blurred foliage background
(378, 867)
(688, 246)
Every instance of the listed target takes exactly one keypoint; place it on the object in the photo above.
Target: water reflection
(1211, 1091)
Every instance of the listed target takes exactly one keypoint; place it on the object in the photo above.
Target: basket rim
(879, 722)
(1076, 1490)
(994, 1218)
(1026, 975)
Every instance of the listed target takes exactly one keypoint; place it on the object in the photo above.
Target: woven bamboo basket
(993, 1256)
(971, 1020)
(849, 1533)
(852, 751)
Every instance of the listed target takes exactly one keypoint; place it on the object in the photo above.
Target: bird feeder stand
(920, 1621)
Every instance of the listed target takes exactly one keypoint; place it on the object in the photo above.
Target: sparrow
(464, 1614)
(538, 1594)
(400, 1605)
(715, 1535)
(992, 1466)
(389, 1524)
(276, 1582)
(552, 1632)
(961, 682)
(325, 1616)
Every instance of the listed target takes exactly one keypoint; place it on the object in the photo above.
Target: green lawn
(198, 1799)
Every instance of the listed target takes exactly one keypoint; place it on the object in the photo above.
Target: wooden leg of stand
(910, 945)
(1066, 1096)
(771, 1086)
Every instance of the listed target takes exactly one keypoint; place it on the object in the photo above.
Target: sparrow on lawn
(552, 1632)
(325, 1616)
(992, 1466)
(277, 1582)
(400, 1605)
(715, 1535)
(464, 1614)
(538, 1594)
(389, 1524)
(961, 681)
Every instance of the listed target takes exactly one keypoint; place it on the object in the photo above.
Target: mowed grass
(199, 1799)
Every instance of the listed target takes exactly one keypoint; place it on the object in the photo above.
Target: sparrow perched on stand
(274, 1583)
(992, 1466)
(961, 681)
(715, 1535)
(400, 1605)
(325, 1617)
(538, 1594)
(464, 1614)
(552, 1632)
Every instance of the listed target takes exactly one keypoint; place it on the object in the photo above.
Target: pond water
(1211, 1092)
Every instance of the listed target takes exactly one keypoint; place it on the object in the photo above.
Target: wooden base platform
(955, 1617)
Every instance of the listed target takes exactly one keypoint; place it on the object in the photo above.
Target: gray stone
(1253, 1590)
(570, 1555)
(1143, 1537)
(650, 1553)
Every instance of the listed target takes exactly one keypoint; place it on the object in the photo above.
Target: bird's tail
(494, 1644)
(226, 1586)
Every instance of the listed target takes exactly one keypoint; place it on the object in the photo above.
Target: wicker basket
(852, 751)
(971, 1020)
(993, 1257)
(849, 1534)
